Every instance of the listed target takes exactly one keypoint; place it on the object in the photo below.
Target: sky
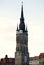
(10, 12)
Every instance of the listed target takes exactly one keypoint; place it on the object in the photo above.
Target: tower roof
(22, 24)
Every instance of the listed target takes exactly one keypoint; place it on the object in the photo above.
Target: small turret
(26, 29)
(17, 27)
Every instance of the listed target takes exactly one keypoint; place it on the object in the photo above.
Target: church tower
(21, 54)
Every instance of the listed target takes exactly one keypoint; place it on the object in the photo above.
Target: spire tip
(22, 3)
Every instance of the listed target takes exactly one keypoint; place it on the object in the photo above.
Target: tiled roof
(41, 55)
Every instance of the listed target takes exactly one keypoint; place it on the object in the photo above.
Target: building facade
(21, 54)
(7, 61)
(34, 60)
(37, 60)
(41, 59)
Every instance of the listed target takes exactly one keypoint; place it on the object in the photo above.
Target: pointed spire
(22, 16)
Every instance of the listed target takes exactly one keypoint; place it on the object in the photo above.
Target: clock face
(25, 59)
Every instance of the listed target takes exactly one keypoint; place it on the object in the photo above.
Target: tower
(21, 54)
